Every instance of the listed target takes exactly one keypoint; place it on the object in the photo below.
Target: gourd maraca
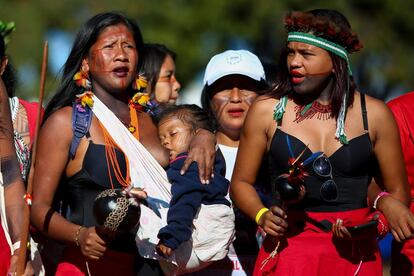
(116, 211)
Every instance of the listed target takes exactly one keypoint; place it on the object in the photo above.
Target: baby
(177, 125)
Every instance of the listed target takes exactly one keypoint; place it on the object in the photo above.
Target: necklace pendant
(131, 128)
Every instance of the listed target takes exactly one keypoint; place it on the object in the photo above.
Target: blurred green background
(196, 30)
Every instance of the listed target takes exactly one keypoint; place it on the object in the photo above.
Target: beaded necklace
(137, 102)
(322, 111)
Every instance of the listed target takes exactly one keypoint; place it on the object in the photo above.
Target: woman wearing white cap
(232, 82)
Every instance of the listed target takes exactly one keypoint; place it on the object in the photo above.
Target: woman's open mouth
(121, 71)
(296, 77)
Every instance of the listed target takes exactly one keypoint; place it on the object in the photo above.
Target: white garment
(229, 154)
(212, 235)
(214, 225)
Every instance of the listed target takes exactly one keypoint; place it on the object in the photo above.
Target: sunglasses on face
(323, 168)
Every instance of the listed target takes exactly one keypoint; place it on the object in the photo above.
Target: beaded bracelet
(378, 197)
(77, 236)
(260, 214)
(384, 229)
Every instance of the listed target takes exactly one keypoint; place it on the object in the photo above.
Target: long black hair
(9, 75)
(154, 56)
(333, 26)
(84, 40)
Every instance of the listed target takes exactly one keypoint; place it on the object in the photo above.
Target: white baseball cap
(232, 62)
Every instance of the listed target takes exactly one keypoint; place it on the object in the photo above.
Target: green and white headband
(331, 47)
(321, 43)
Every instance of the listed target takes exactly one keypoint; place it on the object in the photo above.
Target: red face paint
(113, 60)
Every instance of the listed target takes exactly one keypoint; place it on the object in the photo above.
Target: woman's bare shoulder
(61, 115)
(376, 108)
(380, 118)
(264, 104)
(260, 115)
(59, 123)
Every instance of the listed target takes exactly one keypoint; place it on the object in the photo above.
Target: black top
(351, 170)
(81, 189)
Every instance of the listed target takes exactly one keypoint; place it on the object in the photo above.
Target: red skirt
(4, 253)
(73, 263)
(308, 250)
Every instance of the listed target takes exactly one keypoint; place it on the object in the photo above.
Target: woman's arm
(51, 158)
(255, 136)
(202, 150)
(50, 165)
(387, 150)
(399, 217)
(12, 180)
(392, 174)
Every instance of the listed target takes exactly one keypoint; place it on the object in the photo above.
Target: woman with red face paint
(94, 129)
(232, 81)
(325, 141)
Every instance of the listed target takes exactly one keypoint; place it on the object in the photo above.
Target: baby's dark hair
(187, 113)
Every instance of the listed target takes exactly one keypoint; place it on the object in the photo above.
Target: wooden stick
(21, 262)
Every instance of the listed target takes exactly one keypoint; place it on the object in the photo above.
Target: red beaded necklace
(323, 112)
